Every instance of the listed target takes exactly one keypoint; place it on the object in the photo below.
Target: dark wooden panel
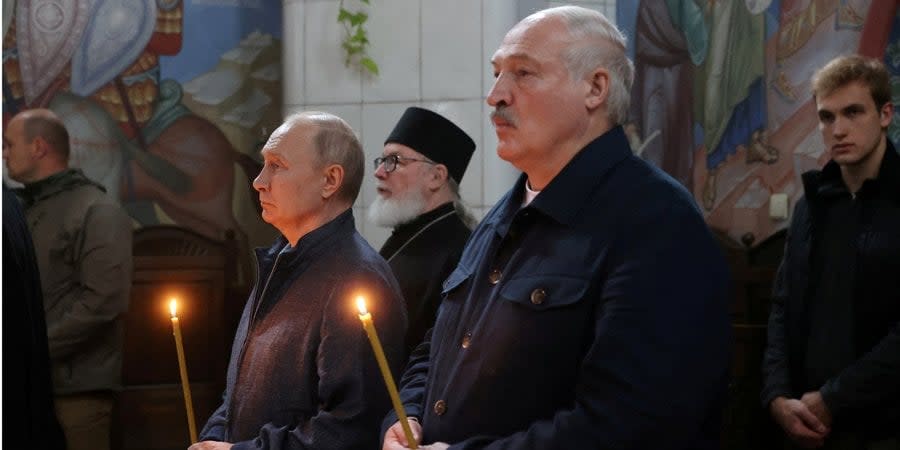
(749, 343)
(153, 416)
(746, 425)
(151, 356)
(175, 262)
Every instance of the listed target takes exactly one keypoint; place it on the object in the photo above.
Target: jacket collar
(565, 195)
(889, 173)
(821, 184)
(54, 184)
(309, 246)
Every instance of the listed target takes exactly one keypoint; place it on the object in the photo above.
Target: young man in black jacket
(832, 363)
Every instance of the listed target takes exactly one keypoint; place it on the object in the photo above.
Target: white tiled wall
(394, 29)
(452, 62)
(294, 75)
(430, 53)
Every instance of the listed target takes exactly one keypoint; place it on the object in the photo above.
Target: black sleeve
(776, 363)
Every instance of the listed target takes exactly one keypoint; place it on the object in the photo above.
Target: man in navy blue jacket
(302, 374)
(589, 308)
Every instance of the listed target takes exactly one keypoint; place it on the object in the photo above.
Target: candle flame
(173, 307)
(361, 305)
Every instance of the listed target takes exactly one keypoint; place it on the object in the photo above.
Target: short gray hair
(336, 143)
(588, 28)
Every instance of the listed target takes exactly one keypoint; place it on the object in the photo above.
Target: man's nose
(840, 128)
(261, 182)
(499, 93)
(380, 172)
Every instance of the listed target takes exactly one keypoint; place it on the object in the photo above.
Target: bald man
(82, 241)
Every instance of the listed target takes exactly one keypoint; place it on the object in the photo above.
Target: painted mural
(166, 101)
(721, 95)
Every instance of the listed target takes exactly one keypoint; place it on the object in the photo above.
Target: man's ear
(39, 148)
(598, 93)
(334, 179)
(437, 177)
(887, 114)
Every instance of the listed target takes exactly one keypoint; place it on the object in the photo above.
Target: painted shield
(117, 33)
(98, 144)
(47, 32)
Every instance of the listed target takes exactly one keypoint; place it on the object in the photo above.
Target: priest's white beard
(397, 210)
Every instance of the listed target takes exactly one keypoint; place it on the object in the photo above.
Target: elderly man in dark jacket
(589, 307)
(302, 374)
(832, 365)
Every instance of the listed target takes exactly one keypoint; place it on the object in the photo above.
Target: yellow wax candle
(366, 319)
(182, 367)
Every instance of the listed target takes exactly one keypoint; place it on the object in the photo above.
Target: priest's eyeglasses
(391, 161)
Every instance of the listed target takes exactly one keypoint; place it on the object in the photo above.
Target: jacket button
(440, 407)
(494, 276)
(466, 340)
(538, 296)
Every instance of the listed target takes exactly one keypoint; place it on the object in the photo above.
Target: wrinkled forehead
(536, 37)
(289, 136)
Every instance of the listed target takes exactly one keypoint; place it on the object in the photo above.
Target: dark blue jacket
(30, 418)
(865, 396)
(302, 373)
(595, 317)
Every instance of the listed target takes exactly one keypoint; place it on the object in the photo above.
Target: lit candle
(366, 319)
(182, 367)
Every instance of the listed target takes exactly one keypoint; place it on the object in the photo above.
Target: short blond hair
(847, 69)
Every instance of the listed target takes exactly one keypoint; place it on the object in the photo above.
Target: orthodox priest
(418, 176)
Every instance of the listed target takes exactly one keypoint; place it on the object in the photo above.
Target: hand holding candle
(182, 366)
(366, 319)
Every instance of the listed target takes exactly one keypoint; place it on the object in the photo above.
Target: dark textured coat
(594, 317)
(866, 395)
(302, 374)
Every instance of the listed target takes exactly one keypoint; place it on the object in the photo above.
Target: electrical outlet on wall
(778, 206)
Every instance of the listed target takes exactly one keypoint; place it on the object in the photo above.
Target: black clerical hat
(439, 139)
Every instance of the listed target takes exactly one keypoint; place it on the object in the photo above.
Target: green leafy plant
(356, 38)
